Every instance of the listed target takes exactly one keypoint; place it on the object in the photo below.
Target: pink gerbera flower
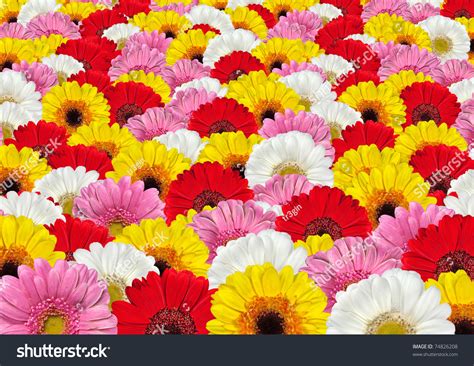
(180, 8)
(53, 23)
(465, 121)
(285, 29)
(154, 40)
(419, 12)
(293, 66)
(404, 57)
(230, 220)
(395, 232)
(183, 71)
(348, 261)
(42, 75)
(373, 8)
(307, 21)
(65, 299)
(453, 71)
(13, 30)
(115, 205)
(185, 102)
(154, 122)
(304, 122)
(382, 49)
(137, 58)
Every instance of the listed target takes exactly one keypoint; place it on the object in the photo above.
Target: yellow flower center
(286, 168)
(7, 131)
(108, 147)
(6, 98)
(67, 202)
(54, 324)
(442, 45)
(390, 323)
(116, 228)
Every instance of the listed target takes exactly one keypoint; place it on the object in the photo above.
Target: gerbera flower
(337, 116)
(290, 153)
(41, 75)
(205, 184)
(235, 64)
(326, 12)
(53, 23)
(207, 83)
(398, 304)
(112, 263)
(258, 310)
(315, 244)
(132, 7)
(115, 205)
(184, 71)
(187, 142)
(190, 45)
(72, 105)
(453, 71)
(385, 6)
(129, 99)
(406, 78)
(218, 21)
(9, 11)
(357, 260)
(424, 134)
(95, 78)
(463, 89)
(463, 184)
(32, 8)
(186, 101)
(21, 242)
(282, 7)
(278, 51)
(333, 66)
(14, 51)
(449, 39)
(378, 103)
(267, 246)
(293, 66)
(420, 11)
(168, 22)
(100, 20)
(12, 117)
(109, 138)
(450, 244)
(243, 17)
(469, 26)
(230, 220)
(339, 29)
(153, 39)
(78, 11)
(120, 33)
(75, 302)
(88, 53)
(463, 204)
(175, 303)
(12, 30)
(80, 155)
(464, 123)
(358, 53)
(154, 122)
(324, 210)
(74, 233)
(457, 289)
(63, 65)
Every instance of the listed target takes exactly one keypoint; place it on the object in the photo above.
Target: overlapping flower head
(236, 167)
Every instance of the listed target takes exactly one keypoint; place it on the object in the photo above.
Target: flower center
(54, 324)
(108, 147)
(165, 258)
(266, 109)
(171, 321)
(321, 226)
(454, 261)
(74, 113)
(390, 323)
(370, 114)
(7, 98)
(384, 203)
(462, 315)
(288, 167)
(426, 112)
(442, 45)
(195, 53)
(234, 75)
(442, 184)
(126, 111)
(207, 198)
(154, 177)
(67, 202)
(53, 316)
(270, 323)
(343, 280)
(9, 184)
(222, 126)
(462, 13)
(236, 162)
(7, 64)
(74, 117)
(11, 258)
(116, 289)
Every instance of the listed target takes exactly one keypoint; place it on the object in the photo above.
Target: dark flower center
(370, 115)
(170, 34)
(171, 321)
(207, 198)
(86, 64)
(222, 126)
(462, 13)
(270, 323)
(198, 57)
(12, 20)
(323, 225)
(441, 184)
(162, 265)
(276, 65)
(74, 117)
(471, 49)
(152, 182)
(7, 64)
(234, 75)
(239, 168)
(387, 208)
(282, 13)
(269, 113)
(425, 112)
(464, 326)
(9, 268)
(127, 111)
(9, 185)
(454, 261)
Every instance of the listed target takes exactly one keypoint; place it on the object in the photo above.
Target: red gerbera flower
(222, 115)
(75, 233)
(439, 165)
(88, 52)
(353, 78)
(347, 6)
(429, 101)
(458, 9)
(338, 29)
(175, 303)
(80, 155)
(43, 137)
(99, 79)
(205, 28)
(358, 53)
(446, 247)
(205, 184)
(267, 16)
(132, 7)
(324, 210)
(100, 20)
(130, 99)
(231, 66)
(364, 134)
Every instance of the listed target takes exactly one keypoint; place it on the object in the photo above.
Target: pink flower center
(343, 280)
(53, 316)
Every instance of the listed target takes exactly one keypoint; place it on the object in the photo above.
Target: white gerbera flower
(337, 115)
(449, 39)
(333, 66)
(463, 204)
(118, 265)
(365, 38)
(463, 89)
(208, 83)
(14, 88)
(310, 86)
(120, 33)
(289, 153)
(393, 303)
(65, 66)
(33, 8)
(463, 184)
(38, 208)
(232, 4)
(12, 116)
(187, 142)
(225, 44)
(326, 12)
(267, 246)
(205, 14)
(65, 184)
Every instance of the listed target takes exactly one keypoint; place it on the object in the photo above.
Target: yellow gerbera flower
(278, 51)
(457, 289)
(151, 163)
(424, 134)
(383, 23)
(20, 169)
(72, 105)
(168, 22)
(152, 80)
(176, 246)
(230, 149)
(245, 18)
(14, 51)
(312, 49)
(9, 10)
(218, 4)
(264, 301)
(45, 46)
(162, 3)
(385, 188)
(406, 78)
(21, 242)
(363, 160)
(316, 243)
(379, 103)
(110, 139)
(282, 7)
(78, 11)
(407, 33)
(190, 45)
(469, 25)
(188, 218)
